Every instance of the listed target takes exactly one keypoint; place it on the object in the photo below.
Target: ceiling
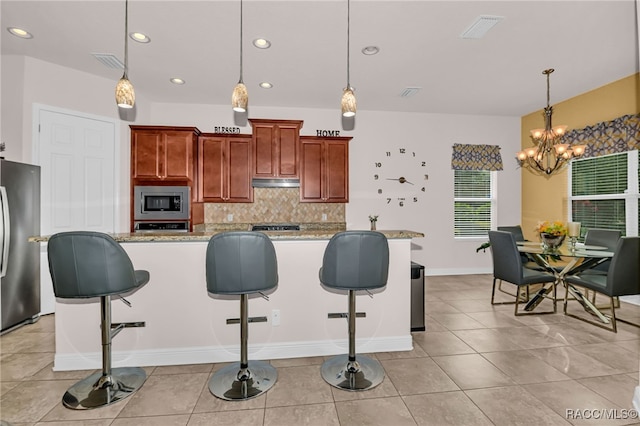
(589, 43)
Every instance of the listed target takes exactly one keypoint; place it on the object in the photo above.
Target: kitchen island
(186, 325)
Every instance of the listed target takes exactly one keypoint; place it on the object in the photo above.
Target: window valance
(476, 157)
(608, 137)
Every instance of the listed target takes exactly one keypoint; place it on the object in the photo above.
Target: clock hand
(401, 179)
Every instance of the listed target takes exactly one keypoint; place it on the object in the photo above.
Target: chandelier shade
(348, 102)
(549, 154)
(240, 98)
(125, 94)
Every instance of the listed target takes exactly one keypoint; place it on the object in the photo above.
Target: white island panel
(186, 325)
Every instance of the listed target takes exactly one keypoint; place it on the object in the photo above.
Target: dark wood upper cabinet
(324, 169)
(224, 168)
(161, 153)
(276, 146)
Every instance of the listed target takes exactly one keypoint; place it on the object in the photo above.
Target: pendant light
(240, 97)
(125, 95)
(348, 97)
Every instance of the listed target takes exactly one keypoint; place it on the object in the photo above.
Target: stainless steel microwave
(161, 202)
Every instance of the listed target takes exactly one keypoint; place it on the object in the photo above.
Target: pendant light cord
(348, 41)
(240, 43)
(126, 44)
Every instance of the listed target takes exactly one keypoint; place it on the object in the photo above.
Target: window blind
(472, 203)
(600, 175)
(598, 190)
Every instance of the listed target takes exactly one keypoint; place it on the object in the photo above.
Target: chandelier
(548, 155)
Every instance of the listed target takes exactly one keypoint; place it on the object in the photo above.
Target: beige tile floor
(475, 365)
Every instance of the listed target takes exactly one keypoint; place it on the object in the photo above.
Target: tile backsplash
(274, 205)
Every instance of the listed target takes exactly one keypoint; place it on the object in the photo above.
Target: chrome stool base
(233, 383)
(99, 390)
(362, 374)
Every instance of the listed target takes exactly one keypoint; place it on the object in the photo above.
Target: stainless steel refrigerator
(19, 259)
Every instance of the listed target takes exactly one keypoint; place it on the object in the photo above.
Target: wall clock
(400, 177)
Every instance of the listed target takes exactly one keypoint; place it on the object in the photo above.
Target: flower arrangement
(556, 228)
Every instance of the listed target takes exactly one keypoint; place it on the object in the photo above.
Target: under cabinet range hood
(275, 183)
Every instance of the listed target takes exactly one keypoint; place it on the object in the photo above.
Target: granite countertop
(318, 234)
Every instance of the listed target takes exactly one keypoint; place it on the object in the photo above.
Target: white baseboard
(631, 299)
(457, 271)
(211, 354)
(636, 399)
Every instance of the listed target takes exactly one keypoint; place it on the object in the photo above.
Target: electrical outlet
(324, 217)
(230, 217)
(275, 317)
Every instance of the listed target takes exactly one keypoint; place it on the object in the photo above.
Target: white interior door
(77, 155)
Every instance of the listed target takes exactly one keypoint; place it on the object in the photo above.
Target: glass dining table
(568, 261)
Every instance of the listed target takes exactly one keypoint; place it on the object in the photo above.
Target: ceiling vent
(481, 26)
(409, 91)
(109, 60)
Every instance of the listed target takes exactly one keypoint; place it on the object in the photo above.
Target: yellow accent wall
(545, 198)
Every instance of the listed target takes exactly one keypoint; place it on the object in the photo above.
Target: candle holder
(573, 229)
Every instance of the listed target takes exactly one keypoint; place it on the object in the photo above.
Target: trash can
(417, 297)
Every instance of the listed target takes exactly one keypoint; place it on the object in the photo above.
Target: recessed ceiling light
(176, 80)
(139, 37)
(370, 50)
(262, 43)
(19, 32)
(266, 85)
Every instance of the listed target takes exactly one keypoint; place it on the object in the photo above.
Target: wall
(429, 135)
(45, 83)
(546, 198)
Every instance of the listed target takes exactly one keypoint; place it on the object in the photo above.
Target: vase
(551, 242)
(373, 225)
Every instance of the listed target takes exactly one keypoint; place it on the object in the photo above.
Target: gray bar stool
(354, 260)
(86, 265)
(241, 263)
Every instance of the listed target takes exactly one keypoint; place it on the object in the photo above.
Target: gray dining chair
(508, 267)
(602, 237)
(622, 279)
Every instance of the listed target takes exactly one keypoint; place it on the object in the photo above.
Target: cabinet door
(276, 148)
(238, 166)
(264, 151)
(211, 168)
(336, 188)
(146, 149)
(311, 176)
(178, 155)
(287, 151)
(162, 154)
